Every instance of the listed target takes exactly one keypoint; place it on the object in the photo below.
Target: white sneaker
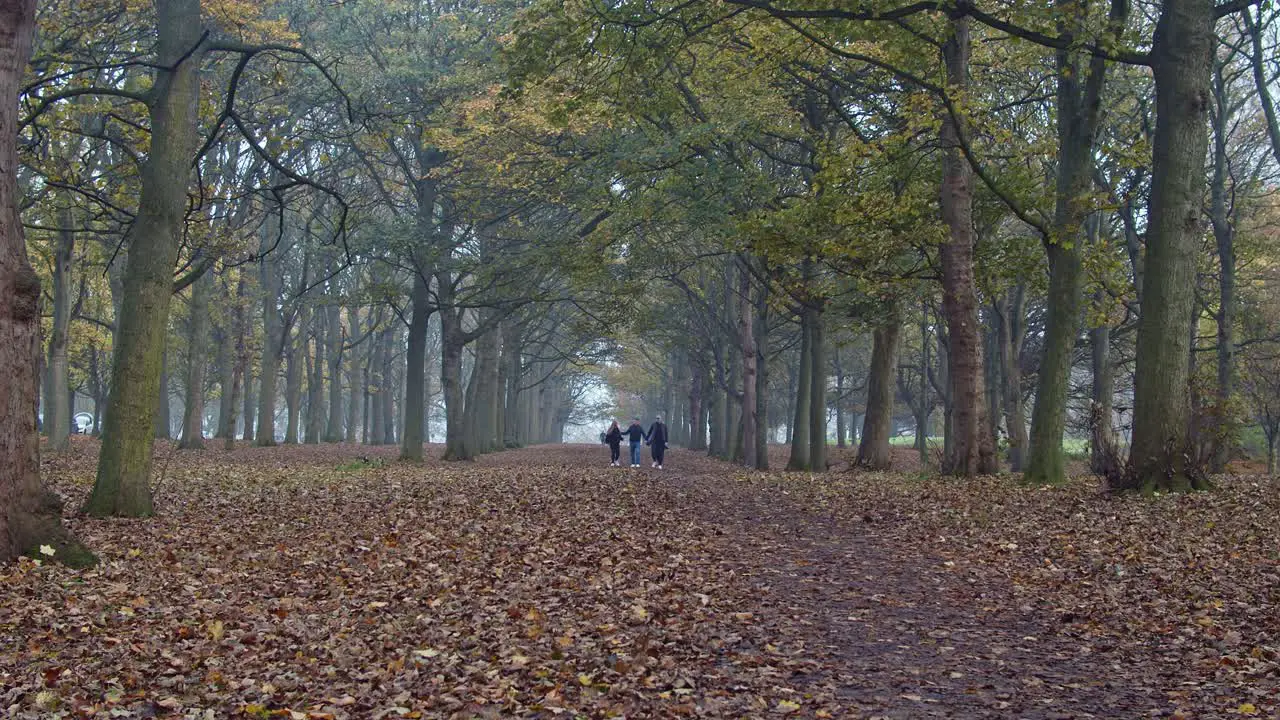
(659, 467)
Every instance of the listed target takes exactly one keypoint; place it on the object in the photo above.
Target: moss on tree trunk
(1161, 457)
(124, 465)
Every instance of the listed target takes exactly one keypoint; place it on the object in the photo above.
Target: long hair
(614, 426)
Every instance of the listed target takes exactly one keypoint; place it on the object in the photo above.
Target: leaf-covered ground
(317, 582)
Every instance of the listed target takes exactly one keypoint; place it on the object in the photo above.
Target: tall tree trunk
(225, 338)
(240, 378)
(359, 380)
(333, 427)
(1161, 457)
(389, 378)
(922, 417)
(697, 415)
(792, 395)
(799, 459)
(992, 382)
(717, 418)
(1224, 236)
(484, 379)
(511, 352)
(456, 445)
(1101, 434)
(842, 429)
(946, 393)
(762, 378)
(414, 434)
(415, 377)
(244, 348)
(377, 390)
(30, 514)
(733, 364)
(230, 401)
(249, 415)
(274, 333)
(96, 388)
(355, 396)
(877, 425)
(197, 365)
(475, 401)
(294, 362)
(58, 415)
(818, 390)
(315, 380)
(1011, 328)
(746, 333)
(1045, 457)
(163, 416)
(972, 452)
(1079, 108)
(123, 481)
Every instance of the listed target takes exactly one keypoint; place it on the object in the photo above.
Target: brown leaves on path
(331, 582)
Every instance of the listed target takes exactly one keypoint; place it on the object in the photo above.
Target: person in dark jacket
(635, 434)
(657, 439)
(614, 439)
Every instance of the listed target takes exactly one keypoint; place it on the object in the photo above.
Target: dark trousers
(615, 451)
(657, 450)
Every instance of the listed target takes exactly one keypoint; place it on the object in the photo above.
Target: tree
(197, 365)
(123, 485)
(973, 451)
(1079, 108)
(30, 514)
(877, 428)
(1161, 457)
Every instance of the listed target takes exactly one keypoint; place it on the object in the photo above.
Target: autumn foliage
(316, 582)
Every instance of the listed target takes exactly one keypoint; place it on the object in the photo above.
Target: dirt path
(898, 636)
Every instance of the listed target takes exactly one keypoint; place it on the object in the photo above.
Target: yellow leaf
(47, 700)
(787, 707)
(1247, 709)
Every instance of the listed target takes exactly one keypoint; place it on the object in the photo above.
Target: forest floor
(334, 582)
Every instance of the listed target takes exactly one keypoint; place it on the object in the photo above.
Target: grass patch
(361, 464)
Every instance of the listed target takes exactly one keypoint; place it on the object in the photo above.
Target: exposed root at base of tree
(42, 531)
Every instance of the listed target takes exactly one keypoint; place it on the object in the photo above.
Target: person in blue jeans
(635, 435)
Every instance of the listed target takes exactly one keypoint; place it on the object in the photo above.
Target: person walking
(635, 434)
(614, 439)
(657, 439)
